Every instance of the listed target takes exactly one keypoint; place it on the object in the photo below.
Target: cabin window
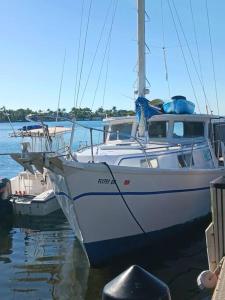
(153, 163)
(157, 129)
(185, 160)
(120, 131)
(188, 129)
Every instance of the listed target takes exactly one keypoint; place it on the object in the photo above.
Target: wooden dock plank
(219, 292)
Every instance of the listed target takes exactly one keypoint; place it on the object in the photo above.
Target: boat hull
(107, 251)
(147, 202)
(29, 207)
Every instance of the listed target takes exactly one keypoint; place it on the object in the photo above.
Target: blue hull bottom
(102, 252)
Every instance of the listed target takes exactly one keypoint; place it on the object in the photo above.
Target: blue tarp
(143, 105)
(30, 127)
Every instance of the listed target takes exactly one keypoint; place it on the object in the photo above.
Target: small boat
(40, 205)
(179, 105)
(32, 192)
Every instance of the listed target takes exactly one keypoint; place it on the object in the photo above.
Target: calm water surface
(40, 258)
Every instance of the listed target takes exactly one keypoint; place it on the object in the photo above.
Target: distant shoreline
(78, 119)
(82, 114)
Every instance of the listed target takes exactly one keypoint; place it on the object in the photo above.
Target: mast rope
(96, 51)
(197, 49)
(105, 52)
(191, 55)
(183, 55)
(106, 77)
(164, 51)
(212, 55)
(78, 56)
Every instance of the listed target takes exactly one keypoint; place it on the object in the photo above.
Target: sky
(35, 34)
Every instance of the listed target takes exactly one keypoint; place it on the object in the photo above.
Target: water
(40, 258)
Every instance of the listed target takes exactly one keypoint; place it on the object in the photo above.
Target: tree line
(19, 115)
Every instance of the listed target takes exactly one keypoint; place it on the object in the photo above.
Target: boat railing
(181, 146)
(140, 141)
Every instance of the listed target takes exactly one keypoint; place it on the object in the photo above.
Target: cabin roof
(119, 120)
(183, 117)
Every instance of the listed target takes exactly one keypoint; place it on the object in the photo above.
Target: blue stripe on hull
(132, 193)
(102, 252)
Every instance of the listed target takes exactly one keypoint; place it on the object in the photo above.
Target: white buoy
(207, 279)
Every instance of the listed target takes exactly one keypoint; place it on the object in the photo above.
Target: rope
(96, 51)
(182, 51)
(124, 201)
(212, 55)
(164, 51)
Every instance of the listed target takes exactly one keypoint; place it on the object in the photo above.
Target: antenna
(60, 86)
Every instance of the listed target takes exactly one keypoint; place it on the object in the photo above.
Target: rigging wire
(164, 50)
(105, 52)
(183, 55)
(60, 86)
(84, 50)
(96, 51)
(78, 55)
(196, 40)
(191, 55)
(212, 55)
(197, 49)
(106, 77)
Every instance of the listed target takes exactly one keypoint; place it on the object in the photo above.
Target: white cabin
(171, 141)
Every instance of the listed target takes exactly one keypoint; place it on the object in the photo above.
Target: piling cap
(136, 284)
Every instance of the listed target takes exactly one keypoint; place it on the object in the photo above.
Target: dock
(215, 237)
(219, 292)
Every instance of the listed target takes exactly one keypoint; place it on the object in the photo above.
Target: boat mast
(141, 48)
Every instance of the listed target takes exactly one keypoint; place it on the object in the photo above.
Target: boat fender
(207, 279)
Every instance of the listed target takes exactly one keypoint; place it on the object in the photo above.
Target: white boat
(146, 181)
(32, 192)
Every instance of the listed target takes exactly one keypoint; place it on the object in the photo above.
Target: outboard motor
(5, 189)
(5, 193)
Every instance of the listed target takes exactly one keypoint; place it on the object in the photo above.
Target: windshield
(120, 131)
(157, 129)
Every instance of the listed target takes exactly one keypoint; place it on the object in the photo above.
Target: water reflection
(41, 259)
